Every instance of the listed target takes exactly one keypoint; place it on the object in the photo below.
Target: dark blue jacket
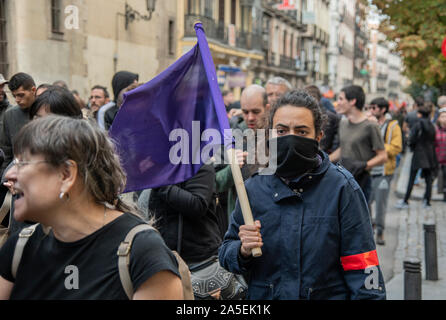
(318, 239)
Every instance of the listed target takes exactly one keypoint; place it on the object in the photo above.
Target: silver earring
(61, 195)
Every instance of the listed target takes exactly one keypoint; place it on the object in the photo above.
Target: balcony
(382, 60)
(218, 31)
(359, 54)
(249, 40)
(382, 76)
(393, 84)
(287, 63)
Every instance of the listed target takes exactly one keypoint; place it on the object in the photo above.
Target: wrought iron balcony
(219, 31)
(287, 63)
(249, 40)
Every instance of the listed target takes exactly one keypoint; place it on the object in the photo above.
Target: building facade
(85, 42)
(234, 32)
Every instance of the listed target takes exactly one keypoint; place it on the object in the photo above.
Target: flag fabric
(179, 105)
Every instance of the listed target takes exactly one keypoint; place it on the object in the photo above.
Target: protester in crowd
(422, 144)
(61, 83)
(433, 117)
(55, 100)
(228, 98)
(275, 88)
(23, 89)
(120, 81)
(441, 103)
(440, 148)
(412, 117)
(42, 88)
(311, 249)
(82, 220)
(98, 97)
(4, 103)
(82, 105)
(361, 144)
(382, 175)
(186, 216)
(330, 140)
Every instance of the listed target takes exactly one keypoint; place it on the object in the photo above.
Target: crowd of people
(67, 186)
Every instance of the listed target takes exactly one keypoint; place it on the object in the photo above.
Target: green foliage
(418, 27)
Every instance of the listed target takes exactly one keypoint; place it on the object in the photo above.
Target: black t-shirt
(87, 268)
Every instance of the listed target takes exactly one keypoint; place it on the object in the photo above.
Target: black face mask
(295, 155)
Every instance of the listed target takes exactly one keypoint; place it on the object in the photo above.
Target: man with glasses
(382, 175)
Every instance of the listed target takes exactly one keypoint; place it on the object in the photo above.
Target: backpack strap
(6, 206)
(24, 236)
(124, 258)
(124, 261)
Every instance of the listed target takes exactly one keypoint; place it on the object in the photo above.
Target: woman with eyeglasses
(67, 177)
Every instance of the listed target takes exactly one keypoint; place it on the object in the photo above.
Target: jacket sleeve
(229, 252)
(359, 259)
(193, 197)
(224, 179)
(415, 134)
(5, 142)
(396, 143)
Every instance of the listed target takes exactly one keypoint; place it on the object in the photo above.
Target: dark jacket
(14, 119)
(422, 143)
(330, 141)
(194, 200)
(312, 249)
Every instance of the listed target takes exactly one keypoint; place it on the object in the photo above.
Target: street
(404, 237)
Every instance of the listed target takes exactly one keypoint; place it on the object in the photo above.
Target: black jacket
(330, 141)
(194, 200)
(422, 143)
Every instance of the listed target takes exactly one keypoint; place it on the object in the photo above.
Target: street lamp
(132, 15)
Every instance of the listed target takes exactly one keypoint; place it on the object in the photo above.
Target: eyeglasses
(21, 164)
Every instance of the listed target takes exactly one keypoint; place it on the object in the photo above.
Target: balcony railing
(219, 31)
(382, 76)
(287, 62)
(249, 40)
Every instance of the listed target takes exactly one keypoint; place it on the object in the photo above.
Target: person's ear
(34, 90)
(68, 176)
(320, 136)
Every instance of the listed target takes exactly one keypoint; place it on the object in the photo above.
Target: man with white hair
(275, 88)
(441, 102)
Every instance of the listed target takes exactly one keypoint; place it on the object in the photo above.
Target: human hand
(241, 157)
(235, 112)
(250, 237)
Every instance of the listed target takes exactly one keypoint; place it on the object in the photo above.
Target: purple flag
(165, 128)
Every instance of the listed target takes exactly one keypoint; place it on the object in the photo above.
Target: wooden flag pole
(242, 195)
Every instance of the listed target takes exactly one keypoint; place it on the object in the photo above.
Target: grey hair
(60, 139)
(441, 101)
(279, 81)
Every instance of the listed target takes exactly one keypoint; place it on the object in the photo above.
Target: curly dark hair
(299, 98)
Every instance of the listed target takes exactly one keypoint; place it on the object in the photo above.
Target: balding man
(253, 102)
(275, 88)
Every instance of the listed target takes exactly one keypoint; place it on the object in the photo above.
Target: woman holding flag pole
(312, 249)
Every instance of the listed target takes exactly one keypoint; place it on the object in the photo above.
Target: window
(3, 40)
(233, 11)
(284, 42)
(221, 10)
(56, 16)
(171, 37)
